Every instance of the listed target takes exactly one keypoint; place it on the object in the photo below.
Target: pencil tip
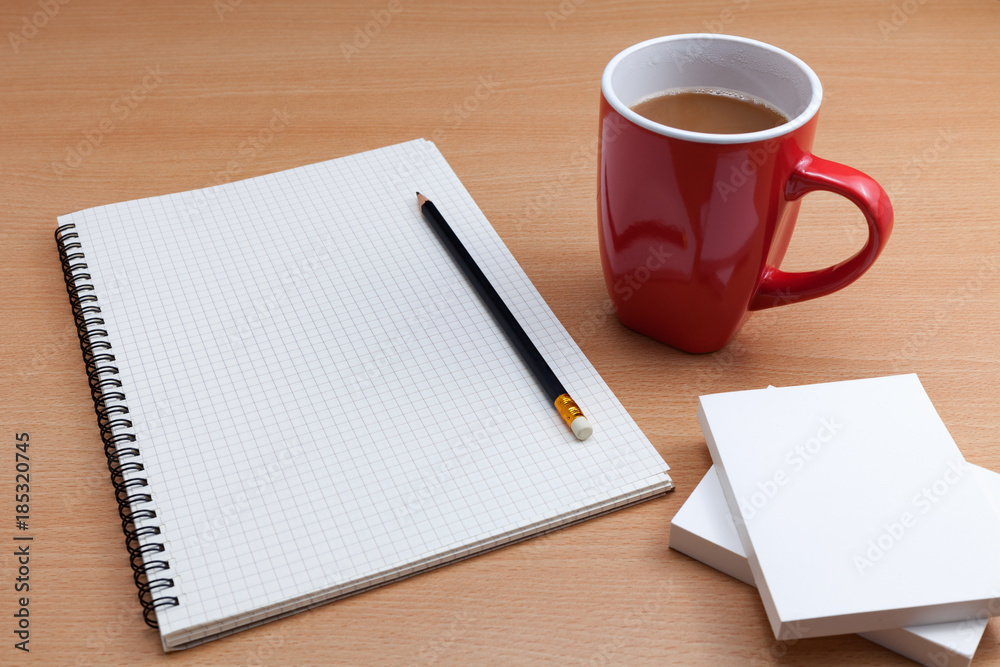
(421, 200)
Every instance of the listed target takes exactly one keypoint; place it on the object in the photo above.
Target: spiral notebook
(301, 397)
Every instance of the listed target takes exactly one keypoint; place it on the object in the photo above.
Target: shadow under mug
(693, 226)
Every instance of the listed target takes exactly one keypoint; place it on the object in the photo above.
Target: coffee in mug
(713, 110)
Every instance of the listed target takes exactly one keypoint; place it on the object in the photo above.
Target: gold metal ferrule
(568, 408)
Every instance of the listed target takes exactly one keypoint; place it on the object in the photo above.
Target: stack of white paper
(851, 509)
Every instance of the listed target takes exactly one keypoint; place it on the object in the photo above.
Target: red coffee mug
(693, 226)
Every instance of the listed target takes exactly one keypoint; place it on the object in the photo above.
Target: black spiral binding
(112, 418)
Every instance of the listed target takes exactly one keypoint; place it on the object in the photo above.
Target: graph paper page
(321, 400)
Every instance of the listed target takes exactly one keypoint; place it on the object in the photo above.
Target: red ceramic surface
(692, 232)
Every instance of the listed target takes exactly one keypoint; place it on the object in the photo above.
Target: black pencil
(551, 385)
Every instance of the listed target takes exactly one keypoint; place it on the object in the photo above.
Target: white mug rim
(703, 137)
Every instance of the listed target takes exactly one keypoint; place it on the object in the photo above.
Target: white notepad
(856, 509)
(320, 401)
(703, 528)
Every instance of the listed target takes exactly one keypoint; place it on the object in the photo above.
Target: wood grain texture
(172, 94)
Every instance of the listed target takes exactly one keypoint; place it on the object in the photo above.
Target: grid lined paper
(321, 400)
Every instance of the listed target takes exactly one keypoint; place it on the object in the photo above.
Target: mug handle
(778, 288)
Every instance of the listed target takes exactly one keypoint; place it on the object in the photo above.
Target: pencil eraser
(582, 428)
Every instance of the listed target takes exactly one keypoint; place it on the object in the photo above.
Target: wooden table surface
(106, 101)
